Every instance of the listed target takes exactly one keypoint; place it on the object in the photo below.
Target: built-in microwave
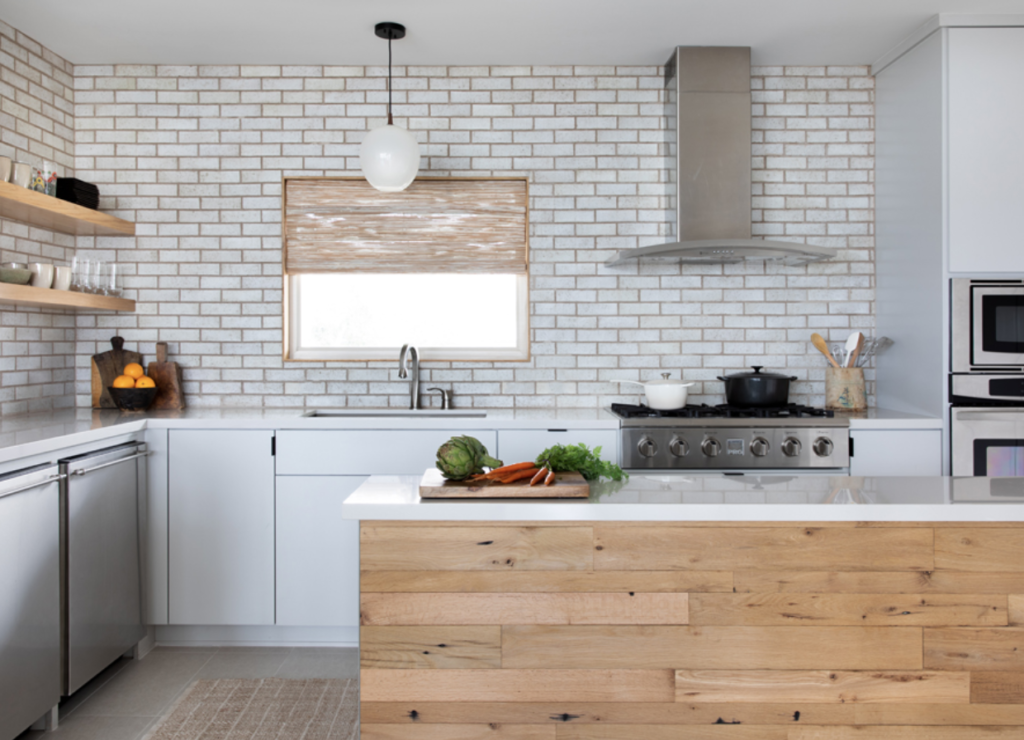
(987, 342)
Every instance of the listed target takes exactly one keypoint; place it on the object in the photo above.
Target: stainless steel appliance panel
(987, 325)
(987, 441)
(29, 597)
(103, 574)
(979, 388)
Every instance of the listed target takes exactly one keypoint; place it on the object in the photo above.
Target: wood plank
(607, 581)
(1016, 605)
(27, 295)
(848, 609)
(756, 548)
(911, 582)
(937, 714)
(430, 647)
(671, 732)
(515, 685)
(903, 733)
(997, 687)
(576, 608)
(454, 732)
(974, 649)
(47, 212)
(979, 550)
(844, 687)
(475, 548)
(846, 648)
(617, 713)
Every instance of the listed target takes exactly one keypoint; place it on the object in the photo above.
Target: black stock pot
(757, 389)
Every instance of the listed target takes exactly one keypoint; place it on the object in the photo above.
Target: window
(441, 265)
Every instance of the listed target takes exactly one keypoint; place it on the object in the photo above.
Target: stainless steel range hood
(708, 111)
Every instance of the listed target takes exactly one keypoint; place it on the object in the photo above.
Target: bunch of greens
(578, 458)
(461, 457)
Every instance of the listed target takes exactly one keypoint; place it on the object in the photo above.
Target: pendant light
(390, 155)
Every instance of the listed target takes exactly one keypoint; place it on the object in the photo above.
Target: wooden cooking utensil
(167, 376)
(819, 344)
(105, 367)
(857, 349)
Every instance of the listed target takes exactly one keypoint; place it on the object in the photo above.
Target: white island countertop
(677, 497)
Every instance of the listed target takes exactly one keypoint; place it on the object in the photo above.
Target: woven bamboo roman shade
(435, 225)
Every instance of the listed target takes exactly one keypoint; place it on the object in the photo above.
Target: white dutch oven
(665, 394)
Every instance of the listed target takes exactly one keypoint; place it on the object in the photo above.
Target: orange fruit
(134, 370)
(124, 381)
(145, 382)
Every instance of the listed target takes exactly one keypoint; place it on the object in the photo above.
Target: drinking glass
(80, 273)
(111, 279)
(95, 283)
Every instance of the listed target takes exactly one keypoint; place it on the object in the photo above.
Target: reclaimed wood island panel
(691, 631)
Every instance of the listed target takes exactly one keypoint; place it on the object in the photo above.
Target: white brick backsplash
(195, 155)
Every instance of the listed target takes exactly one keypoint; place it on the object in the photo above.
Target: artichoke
(461, 457)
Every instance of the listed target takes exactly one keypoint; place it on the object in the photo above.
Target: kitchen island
(796, 608)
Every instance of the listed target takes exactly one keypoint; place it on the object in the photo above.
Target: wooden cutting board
(167, 376)
(566, 485)
(105, 367)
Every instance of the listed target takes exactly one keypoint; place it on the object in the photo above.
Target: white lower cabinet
(896, 452)
(520, 445)
(221, 527)
(317, 552)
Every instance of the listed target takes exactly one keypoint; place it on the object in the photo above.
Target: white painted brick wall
(195, 155)
(36, 123)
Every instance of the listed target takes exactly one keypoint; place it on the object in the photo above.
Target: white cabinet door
(520, 445)
(317, 552)
(896, 452)
(365, 452)
(221, 527)
(986, 150)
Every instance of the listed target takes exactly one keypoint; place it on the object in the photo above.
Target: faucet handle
(444, 396)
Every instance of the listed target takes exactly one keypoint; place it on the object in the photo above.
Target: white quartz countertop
(678, 497)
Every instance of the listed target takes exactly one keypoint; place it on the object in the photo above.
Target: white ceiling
(468, 32)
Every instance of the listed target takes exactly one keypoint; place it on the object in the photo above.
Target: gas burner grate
(722, 411)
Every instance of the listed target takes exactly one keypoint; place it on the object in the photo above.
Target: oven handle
(988, 415)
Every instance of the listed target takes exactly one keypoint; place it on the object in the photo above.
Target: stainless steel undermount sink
(395, 413)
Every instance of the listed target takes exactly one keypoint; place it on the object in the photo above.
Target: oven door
(988, 442)
(997, 326)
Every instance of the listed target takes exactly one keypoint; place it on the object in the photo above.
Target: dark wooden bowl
(133, 399)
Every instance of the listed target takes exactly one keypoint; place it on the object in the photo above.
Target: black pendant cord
(391, 121)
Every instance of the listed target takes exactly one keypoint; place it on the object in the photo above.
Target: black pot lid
(757, 375)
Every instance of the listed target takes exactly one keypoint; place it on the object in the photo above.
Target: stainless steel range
(726, 438)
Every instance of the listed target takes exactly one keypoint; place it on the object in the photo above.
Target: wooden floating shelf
(47, 212)
(26, 295)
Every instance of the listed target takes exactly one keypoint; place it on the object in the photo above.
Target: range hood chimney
(708, 110)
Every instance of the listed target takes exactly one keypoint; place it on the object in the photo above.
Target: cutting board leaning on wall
(105, 367)
(167, 376)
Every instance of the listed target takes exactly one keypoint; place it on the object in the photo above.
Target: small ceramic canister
(42, 274)
(21, 174)
(5, 169)
(62, 278)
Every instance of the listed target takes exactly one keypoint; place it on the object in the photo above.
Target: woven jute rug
(263, 709)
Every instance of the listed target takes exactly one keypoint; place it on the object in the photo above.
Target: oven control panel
(725, 448)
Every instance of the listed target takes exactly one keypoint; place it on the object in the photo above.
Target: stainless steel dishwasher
(30, 673)
(102, 589)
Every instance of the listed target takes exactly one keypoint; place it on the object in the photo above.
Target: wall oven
(987, 323)
(988, 441)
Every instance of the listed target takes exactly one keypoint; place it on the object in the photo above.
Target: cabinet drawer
(520, 445)
(365, 452)
(896, 452)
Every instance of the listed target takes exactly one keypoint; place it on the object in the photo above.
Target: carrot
(518, 475)
(539, 477)
(550, 479)
(505, 469)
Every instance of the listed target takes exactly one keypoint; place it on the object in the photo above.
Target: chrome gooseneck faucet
(414, 382)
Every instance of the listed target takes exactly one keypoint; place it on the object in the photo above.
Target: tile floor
(128, 697)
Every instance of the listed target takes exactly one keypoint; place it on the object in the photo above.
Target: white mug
(22, 174)
(62, 278)
(5, 169)
(42, 274)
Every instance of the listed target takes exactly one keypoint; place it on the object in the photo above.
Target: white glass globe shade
(390, 158)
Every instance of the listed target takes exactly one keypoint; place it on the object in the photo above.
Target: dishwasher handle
(30, 486)
(118, 461)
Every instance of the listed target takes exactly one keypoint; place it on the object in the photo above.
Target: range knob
(823, 447)
(759, 446)
(791, 447)
(711, 447)
(678, 447)
(647, 447)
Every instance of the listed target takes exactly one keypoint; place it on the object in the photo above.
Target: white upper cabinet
(985, 103)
